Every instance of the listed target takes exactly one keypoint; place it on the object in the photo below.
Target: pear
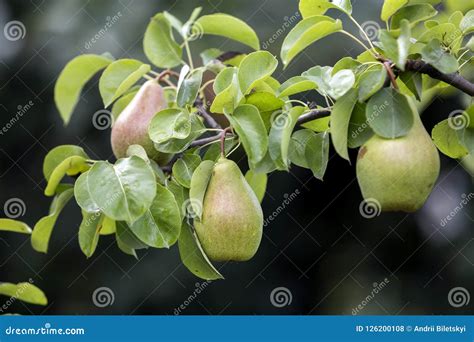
(231, 226)
(131, 127)
(399, 173)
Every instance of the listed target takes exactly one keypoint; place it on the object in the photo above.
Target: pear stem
(222, 137)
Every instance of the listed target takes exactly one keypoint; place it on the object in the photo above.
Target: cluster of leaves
(26, 291)
(146, 205)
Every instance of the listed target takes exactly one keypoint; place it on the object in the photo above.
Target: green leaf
(258, 183)
(251, 130)
(280, 135)
(414, 14)
(328, 84)
(122, 103)
(70, 165)
(228, 91)
(108, 226)
(340, 118)
(371, 81)
(447, 141)
(159, 45)
(296, 152)
(172, 123)
(466, 138)
(176, 145)
(189, 89)
(180, 195)
(305, 33)
(359, 128)
(317, 154)
(309, 8)
(26, 292)
(340, 83)
(295, 85)
(14, 226)
(397, 49)
(83, 196)
(390, 7)
(73, 78)
(265, 102)
(193, 256)
(119, 77)
(470, 44)
(467, 23)
(199, 183)
(434, 54)
(389, 114)
(57, 155)
(126, 240)
(310, 150)
(413, 81)
(160, 226)
(346, 63)
(318, 125)
(227, 26)
(123, 191)
(184, 167)
(445, 33)
(255, 67)
(89, 232)
(43, 229)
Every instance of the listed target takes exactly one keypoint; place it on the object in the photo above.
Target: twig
(455, 79)
(310, 116)
(211, 123)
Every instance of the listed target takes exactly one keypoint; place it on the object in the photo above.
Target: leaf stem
(188, 52)
(357, 40)
(363, 31)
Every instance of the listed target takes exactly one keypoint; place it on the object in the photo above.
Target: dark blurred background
(319, 255)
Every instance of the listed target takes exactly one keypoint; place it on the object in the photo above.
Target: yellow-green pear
(232, 220)
(131, 127)
(399, 173)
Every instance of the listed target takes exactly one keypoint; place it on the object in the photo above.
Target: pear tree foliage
(206, 104)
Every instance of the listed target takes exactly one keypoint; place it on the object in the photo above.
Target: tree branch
(455, 79)
(310, 116)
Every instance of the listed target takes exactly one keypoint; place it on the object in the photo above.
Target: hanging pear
(399, 173)
(232, 220)
(131, 127)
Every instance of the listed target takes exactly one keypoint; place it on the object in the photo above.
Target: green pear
(399, 173)
(131, 127)
(231, 226)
